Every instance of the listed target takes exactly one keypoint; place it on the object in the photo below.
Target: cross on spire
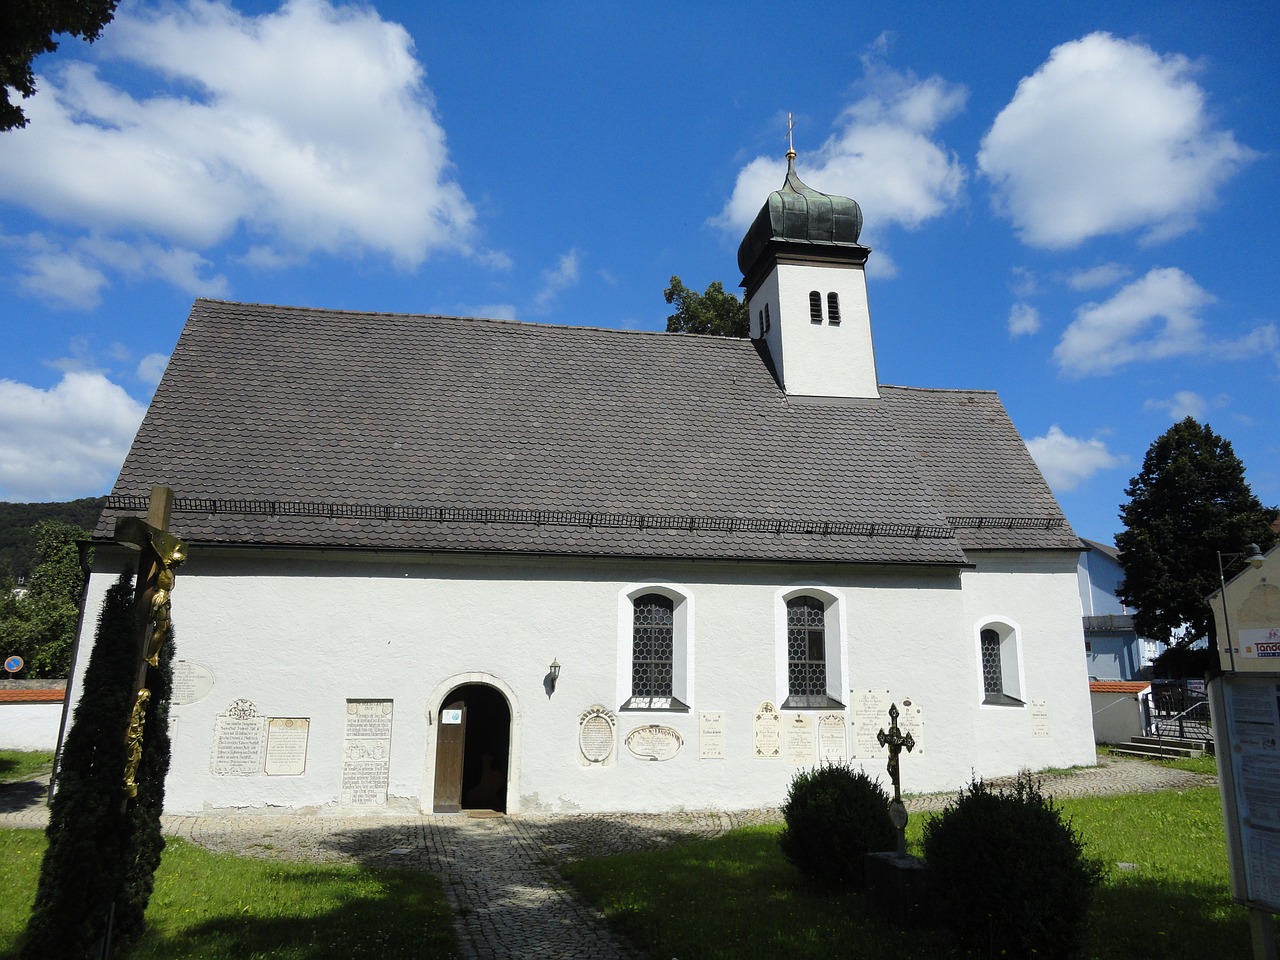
(791, 147)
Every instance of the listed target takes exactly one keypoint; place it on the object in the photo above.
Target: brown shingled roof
(300, 426)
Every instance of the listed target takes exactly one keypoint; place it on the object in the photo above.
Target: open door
(451, 744)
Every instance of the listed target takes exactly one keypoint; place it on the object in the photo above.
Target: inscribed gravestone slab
(191, 682)
(911, 720)
(833, 741)
(870, 713)
(239, 736)
(286, 754)
(654, 742)
(798, 739)
(366, 753)
(597, 736)
(1040, 718)
(711, 735)
(766, 733)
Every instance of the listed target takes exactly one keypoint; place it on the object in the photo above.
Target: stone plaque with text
(910, 720)
(239, 735)
(833, 740)
(711, 735)
(286, 754)
(870, 713)
(597, 736)
(191, 682)
(766, 733)
(654, 742)
(798, 739)
(366, 753)
(1040, 718)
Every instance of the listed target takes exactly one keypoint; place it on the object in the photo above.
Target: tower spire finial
(791, 147)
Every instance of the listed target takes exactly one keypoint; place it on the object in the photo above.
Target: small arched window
(833, 309)
(653, 640)
(998, 652)
(806, 651)
(760, 317)
(767, 322)
(815, 306)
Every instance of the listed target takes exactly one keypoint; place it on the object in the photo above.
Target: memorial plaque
(869, 708)
(911, 721)
(239, 736)
(286, 754)
(833, 740)
(1039, 718)
(366, 753)
(654, 742)
(798, 739)
(597, 736)
(766, 733)
(191, 682)
(711, 735)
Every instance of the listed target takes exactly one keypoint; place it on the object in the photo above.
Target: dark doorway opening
(475, 770)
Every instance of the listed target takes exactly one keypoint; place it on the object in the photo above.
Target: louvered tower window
(815, 306)
(833, 309)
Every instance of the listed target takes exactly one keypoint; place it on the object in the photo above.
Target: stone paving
(499, 872)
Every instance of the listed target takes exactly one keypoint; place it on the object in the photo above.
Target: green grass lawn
(17, 765)
(735, 896)
(217, 906)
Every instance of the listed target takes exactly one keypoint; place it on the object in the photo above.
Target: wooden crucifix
(895, 741)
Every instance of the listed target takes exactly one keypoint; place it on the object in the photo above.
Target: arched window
(833, 309)
(807, 653)
(815, 306)
(767, 322)
(760, 317)
(998, 654)
(656, 634)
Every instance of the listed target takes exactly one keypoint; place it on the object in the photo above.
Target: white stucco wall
(300, 634)
(1117, 717)
(29, 726)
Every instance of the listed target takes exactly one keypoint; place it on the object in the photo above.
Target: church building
(446, 563)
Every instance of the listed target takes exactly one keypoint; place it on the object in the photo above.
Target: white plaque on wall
(870, 714)
(654, 742)
(766, 733)
(833, 741)
(798, 740)
(286, 754)
(1040, 718)
(711, 735)
(239, 736)
(366, 753)
(911, 720)
(191, 682)
(597, 736)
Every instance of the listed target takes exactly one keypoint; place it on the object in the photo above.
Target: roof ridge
(898, 386)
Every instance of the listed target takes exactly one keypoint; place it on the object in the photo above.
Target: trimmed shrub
(1008, 873)
(835, 816)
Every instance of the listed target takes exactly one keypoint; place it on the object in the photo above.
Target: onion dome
(798, 214)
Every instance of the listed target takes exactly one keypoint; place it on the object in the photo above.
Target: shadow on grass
(1149, 918)
(391, 917)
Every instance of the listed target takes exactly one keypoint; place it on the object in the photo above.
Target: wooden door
(451, 742)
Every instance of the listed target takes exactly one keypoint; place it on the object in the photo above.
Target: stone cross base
(896, 886)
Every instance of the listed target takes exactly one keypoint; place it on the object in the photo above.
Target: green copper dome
(797, 213)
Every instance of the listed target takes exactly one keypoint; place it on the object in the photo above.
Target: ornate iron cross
(895, 741)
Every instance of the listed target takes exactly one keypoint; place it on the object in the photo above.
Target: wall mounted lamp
(554, 672)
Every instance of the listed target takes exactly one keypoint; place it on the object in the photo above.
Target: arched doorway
(473, 749)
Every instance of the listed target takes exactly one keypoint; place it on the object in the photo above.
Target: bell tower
(806, 288)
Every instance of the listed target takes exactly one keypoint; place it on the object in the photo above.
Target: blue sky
(1075, 206)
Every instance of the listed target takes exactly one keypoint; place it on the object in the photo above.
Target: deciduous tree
(39, 624)
(1189, 503)
(715, 312)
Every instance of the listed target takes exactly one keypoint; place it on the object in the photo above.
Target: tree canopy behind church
(27, 29)
(715, 312)
(1189, 503)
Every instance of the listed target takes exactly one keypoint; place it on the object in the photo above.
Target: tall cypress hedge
(99, 854)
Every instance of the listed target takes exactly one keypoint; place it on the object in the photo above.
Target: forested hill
(18, 529)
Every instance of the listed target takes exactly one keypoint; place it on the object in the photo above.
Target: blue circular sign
(13, 664)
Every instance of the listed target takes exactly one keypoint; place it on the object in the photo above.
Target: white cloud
(1183, 404)
(1023, 319)
(1024, 283)
(1153, 318)
(1105, 137)
(1067, 461)
(491, 311)
(62, 278)
(309, 128)
(554, 281)
(883, 153)
(151, 368)
(1103, 275)
(64, 442)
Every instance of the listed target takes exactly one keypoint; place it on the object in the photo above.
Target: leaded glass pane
(806, 647)
(992, 681)
(652, 643)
